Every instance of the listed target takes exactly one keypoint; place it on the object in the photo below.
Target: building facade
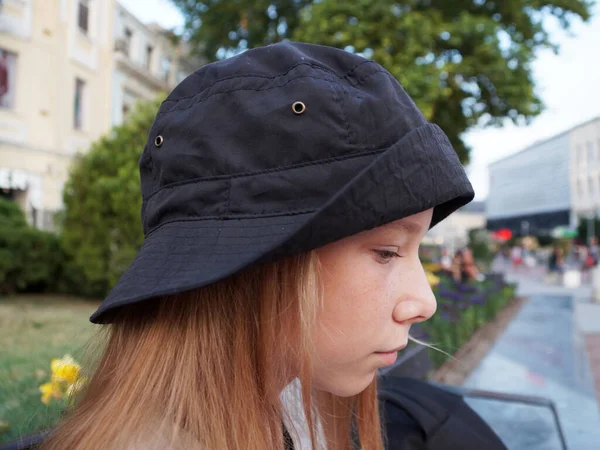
(584, 173)
(147, 60)
(453, 232)
(550, 184)
(66, 77)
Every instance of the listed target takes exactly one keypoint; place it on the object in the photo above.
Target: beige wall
(38, 139)
(37, 135)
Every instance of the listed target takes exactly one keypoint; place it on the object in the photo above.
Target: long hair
(204, 370)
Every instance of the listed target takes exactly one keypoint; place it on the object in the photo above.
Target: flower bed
(462, 309)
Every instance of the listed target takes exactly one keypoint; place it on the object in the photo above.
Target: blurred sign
(564, 232)
(503, 235)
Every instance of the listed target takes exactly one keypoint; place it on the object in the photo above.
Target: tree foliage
(101, 223)
(583, 234)
(464, 62)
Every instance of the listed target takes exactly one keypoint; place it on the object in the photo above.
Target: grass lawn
(33, 330)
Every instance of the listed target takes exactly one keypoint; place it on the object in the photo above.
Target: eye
(385, 256)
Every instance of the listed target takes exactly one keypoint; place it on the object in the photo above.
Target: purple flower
(447, 315)
(478, 299)
(466, 288)
(450, 295)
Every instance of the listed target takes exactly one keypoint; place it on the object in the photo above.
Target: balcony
(15, 17)
(125, 64)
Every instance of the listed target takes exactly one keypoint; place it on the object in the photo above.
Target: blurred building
(69, 70)
(453, 232)
(147, 60)
(550, 184)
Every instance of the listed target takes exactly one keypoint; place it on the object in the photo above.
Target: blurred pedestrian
(556, 260)
(516, 256)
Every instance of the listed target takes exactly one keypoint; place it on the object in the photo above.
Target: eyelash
(387, 255)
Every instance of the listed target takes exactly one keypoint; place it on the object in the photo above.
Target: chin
(345, 385)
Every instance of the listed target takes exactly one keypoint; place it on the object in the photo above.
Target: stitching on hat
(338, 100)
(240, 90)
(265, 77)
(314, 66)
(357, 80)
(371, 74)
(233, 217)
(273, 170)
(228, 195)
(357, 66)
(200, 100)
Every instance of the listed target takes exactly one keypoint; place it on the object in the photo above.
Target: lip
(397, 349)
(387, 358)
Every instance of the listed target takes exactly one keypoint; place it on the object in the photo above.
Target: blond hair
(204, 370)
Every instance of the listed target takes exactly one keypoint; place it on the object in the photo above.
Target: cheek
(359, 300)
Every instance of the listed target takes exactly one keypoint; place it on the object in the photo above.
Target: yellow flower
(49, 391)
(432, 279)
(65, 369)
(65, 379)
(431, 267)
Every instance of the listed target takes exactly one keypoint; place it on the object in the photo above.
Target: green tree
(582, 228)
(464, 62)
(101, 224)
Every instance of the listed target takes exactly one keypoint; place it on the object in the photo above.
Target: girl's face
(375, 289)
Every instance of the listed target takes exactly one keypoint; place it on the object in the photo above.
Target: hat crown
(234, 175)
(237, 118)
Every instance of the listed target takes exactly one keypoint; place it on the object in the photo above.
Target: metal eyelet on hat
(298, 107)
(158, 141)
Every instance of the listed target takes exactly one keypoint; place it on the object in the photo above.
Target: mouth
(396, 350)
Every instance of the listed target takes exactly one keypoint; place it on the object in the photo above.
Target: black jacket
(419, 416)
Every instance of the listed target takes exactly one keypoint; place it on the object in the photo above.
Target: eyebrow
(406, 226)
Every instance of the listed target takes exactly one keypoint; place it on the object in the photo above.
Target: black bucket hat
(274, 152)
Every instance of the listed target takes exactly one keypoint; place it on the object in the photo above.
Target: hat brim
(419, 172)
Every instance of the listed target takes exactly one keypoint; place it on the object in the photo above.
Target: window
(8, 66)
(149, 51)
(591, 187)
(78, 107)
(127, 37)
(590, 152)
(83, 15)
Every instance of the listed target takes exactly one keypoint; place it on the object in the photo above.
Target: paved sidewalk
(588, 320)
(543, 353)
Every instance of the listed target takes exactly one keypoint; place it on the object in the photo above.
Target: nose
(420, 303)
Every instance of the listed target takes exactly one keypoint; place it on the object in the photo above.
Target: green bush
(11, 215)
(30, 260)
(479, 243)
(101, 228)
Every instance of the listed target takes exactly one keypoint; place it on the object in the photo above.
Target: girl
(285, 193)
